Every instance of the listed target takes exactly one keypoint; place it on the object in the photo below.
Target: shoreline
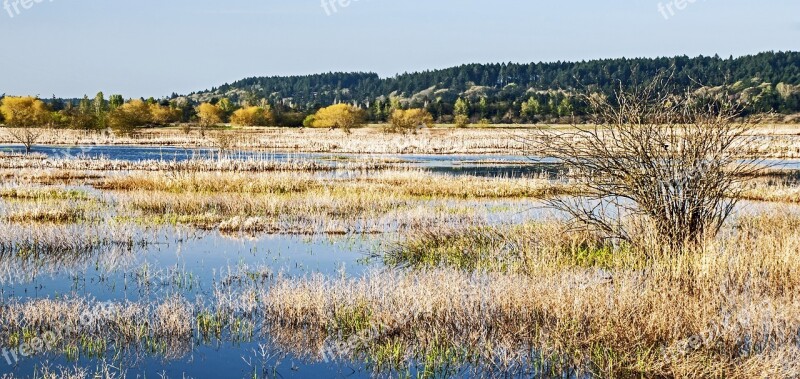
(477, 141)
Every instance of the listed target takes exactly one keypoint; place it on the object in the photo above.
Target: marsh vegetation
(373, 266)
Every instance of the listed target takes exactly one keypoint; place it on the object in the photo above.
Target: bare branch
(670, 160)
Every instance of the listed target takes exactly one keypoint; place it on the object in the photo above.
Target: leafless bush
(223, 141)
(26, 136)
(186, 128)
(654, 161)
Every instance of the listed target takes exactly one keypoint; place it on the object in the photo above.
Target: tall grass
(416, 183)
(246, 164)
(336, 212)
(535, 246)
(726, 310)
(86, 327)
(783, 143)
(42, 193)
(23, 240)
(305, 203)
(772, 192)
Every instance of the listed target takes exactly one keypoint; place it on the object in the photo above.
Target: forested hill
(769, 81)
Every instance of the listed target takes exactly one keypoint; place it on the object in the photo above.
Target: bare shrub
(654, 161)
(186, 128)
(27, 136)
(223, 141)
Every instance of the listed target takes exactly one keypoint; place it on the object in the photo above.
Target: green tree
(378, 110)
(100, 110)
(461, 108)
(85, 106)
(115, 101)
(531, 108)
(461, 113)
(309, 121)
(565, 107)
(552, 105)
(227, 108)
(394, 104)
(483, 108)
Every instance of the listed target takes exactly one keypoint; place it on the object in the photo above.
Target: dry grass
(360, 141)
(532, 247)
(783, 141)
(54, 239)
(499, 300)
(48, 215)
(305, 203)
(527, 297)
(246, 164)
(360, 202)
(57, 205)
(337, 212)
(414, 183)
(43, 193)
(212, 182)
(772, 192)
(48, 177)
(728, 310)
(90, 328)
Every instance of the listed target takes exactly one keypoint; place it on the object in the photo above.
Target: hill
(767, 81)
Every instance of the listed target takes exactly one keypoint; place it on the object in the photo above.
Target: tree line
(527, 93)
(475, 93)
(27, 116)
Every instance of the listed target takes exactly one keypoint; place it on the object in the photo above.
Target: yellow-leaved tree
(25, 116)
(340, 116)
(163, 115)
(208, 115)
(253, 116)
(127, 117)
(410, 120)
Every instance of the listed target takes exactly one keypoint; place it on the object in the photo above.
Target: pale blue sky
(152, 48)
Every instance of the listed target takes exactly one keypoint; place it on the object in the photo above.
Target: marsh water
(489, 165)
(478, 165)
(194, 263)
(191, 264)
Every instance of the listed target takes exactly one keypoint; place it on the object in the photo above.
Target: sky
(144, 48)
